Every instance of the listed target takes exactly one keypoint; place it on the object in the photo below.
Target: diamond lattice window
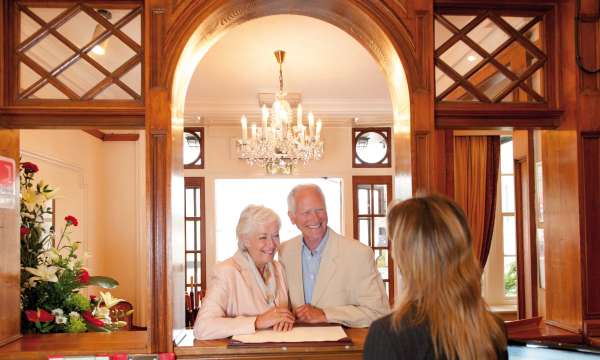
(489, 58)
(80, 52)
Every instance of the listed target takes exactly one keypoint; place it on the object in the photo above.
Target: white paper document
(297, 334)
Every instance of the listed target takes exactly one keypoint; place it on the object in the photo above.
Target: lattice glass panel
(48, 91)
(85, 54)
(49, 53)
(27, 75)
(28, 26)
(493, 58)
(461, 57)
(81, 77)
(113, 92)
(133, 29)
(133, 78)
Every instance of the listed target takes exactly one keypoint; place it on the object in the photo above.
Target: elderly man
(331, 278)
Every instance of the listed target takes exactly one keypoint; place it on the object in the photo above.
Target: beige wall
(221, 162)
(102, 184)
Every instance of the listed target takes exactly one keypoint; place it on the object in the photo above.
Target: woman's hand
(281, 318)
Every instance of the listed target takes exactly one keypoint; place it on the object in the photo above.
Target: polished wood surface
(10, 324)
(39, 347)
(536, 329)
(189, 348)
(100, 135)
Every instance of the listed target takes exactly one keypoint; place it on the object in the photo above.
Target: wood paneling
(494, 117)
(561, 229)
(39, 347)
(10, 315)
(590, 221)
(100, 135)
(72, 118)
(423, 163)
(525, 217)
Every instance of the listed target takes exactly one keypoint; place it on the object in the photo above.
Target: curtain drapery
(476, 167)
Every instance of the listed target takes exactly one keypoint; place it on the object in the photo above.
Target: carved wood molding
(496, 118)
(72, 118)
(157, 32)
(101, 135)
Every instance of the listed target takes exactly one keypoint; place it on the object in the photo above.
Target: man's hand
(310, 314)
(281, 318)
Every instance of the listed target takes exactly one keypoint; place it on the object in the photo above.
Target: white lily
(43, 273)
(61, 319)
(109, 300)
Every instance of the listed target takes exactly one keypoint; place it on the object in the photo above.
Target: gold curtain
(476, 167)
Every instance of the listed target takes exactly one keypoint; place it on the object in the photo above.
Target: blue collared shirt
(311, 261)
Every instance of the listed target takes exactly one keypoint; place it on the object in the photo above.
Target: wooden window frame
(374, 180)
(198, 184)
(193, 165)
(386, 132)
(49, 77)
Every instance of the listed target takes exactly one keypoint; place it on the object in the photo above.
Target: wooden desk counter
(189, 348)
(34, 347)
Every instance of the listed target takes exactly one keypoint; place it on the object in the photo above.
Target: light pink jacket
(234, 299)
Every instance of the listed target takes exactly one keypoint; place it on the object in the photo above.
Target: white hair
(291, 198)
(252, 216)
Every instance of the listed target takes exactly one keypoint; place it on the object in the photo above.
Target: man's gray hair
(291, 198)
(250, 218)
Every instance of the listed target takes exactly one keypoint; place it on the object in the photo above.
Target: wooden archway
(398, 38)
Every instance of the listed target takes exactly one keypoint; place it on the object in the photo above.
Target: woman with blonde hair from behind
(440, 313)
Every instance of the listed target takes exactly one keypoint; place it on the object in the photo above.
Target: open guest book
(298, 336)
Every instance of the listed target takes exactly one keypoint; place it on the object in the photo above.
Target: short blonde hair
(252, 216)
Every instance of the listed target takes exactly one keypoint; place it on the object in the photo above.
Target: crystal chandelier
(282, 140)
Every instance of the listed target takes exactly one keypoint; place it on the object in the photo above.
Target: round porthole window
(192, 148)
(371, 148)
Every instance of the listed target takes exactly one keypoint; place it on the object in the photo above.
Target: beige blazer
(348, 289)
(234, 299)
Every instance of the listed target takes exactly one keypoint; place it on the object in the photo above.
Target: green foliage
(76, 325)
(78, 302)
(103, 281)
(510, 280)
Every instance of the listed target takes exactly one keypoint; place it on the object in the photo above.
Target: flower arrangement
(52, 274)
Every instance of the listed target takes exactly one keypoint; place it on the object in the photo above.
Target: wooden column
(10, 325)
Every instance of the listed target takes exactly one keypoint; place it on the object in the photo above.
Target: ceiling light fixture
(100, 49)
(278, 145)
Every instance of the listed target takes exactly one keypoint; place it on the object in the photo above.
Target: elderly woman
(247, 291)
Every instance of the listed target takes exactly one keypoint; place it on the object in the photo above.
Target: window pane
(364, 229)
(190, 269)
(198, 236)
(509, 236)
(506, 157)
(198, 202)
(510, 276)
(381, 238)
(189, 202)
(364, 199)
(461, 57)
(508, 193)
(381, 259)
(371, 147)
(189, 235)
(380, 199)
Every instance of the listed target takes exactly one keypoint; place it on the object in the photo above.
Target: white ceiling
(336, 76)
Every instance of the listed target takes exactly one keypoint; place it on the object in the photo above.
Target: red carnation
(40, 315)
(93, 298)
(24, 231)
(71, 220)
(30, 167)
(87, 315)
(84, 276)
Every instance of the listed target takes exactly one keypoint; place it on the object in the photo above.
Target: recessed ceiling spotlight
(355, 119)
(471, 58)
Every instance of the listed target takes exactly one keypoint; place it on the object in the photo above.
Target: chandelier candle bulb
(319, 125)
(244, 128)
(253, 132)
(311, 124)
(299, 116)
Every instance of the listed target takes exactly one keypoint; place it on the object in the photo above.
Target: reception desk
(189, 348)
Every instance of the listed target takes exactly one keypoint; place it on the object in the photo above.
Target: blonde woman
(247, 291)
(440, 314)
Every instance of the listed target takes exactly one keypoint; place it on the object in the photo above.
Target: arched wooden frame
(385, 161)
(194, 164)
(176, 51)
